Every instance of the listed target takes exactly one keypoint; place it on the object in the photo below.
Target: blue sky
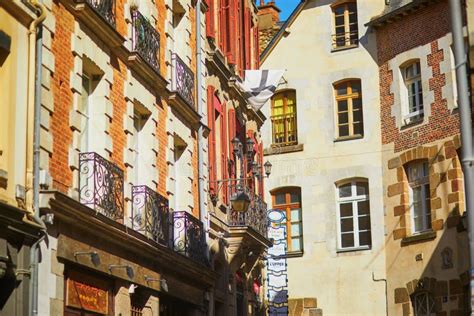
(286, 7)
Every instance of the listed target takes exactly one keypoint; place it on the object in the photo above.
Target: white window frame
(421, 181)
(354, 199)
(428, 309)
(415, 111)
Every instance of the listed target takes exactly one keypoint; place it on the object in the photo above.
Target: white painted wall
(341, 281)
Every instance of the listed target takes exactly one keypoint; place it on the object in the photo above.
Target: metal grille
(183, 80)
(146, 40)
(255, 217)
(189, 237)
(105, 8)
(101, 185)
(150, 214)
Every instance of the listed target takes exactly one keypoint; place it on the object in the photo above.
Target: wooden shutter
(210, 24)
(247, 23)
(232, 134)
(223, 136)
(211, 122)
(256, 48)
(222, 24)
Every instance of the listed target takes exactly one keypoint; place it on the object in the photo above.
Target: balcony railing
(101, 185)
(150, 214)
(189, 237)
(146, 40)
(284, 129)
(255, 217)
(183, 80)
(104, 8)
(347, 39)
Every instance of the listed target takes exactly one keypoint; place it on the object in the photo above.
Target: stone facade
(434, 262)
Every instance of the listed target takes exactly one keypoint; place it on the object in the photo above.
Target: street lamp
(237, 146)
(249, 146)
(268, 168)
(240, 201)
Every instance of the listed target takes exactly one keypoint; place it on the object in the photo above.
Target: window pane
(339, 10)
(355, 86)
(358, 129)
(295, 198)
(418, 221)
(346, 209)
(364, 223)
(363, 207)
(347, 225)
(343, 118)
(365, 239)
(352, 7)
(357, 116)
(296, 215)
(295, 244)
(362, 188)
(357, 104)
(342, 89)
(342, 106)
(280, 198)
(343, 130)
(347, 240)
(339, 20)
(296, 229)
(345, 190)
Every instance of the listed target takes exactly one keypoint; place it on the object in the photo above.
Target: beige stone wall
(339, 280)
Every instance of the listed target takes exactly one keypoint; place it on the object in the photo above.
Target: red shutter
(211, 122)
(231, 53)
(256, 47)
(260, 161)
(232, 134)
(210, 26)
(222, 24)
(224, 156)
(247, 23)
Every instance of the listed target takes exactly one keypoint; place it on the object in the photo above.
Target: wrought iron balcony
(150, 214)
(104, 8)
(183, 80)
(189, 237)
(146, 40)
(101, 185)
(255, 217)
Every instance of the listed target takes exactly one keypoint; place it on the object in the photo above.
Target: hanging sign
(277, 286)
(86, 297)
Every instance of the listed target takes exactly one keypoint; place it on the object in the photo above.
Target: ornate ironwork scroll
(255, 217)
(146, 40)
(150, 214)
(105, 8)
(189, 237)
(183, 80)
(101, 185)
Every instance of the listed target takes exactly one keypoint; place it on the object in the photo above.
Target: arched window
(419, 195)
(350, 120)
(411, 73)
(346, 32)
(284, 118)
(354, 215)
(289, 200)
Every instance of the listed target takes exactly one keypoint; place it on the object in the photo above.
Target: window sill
(413, 123)
(348, 250)
(342, 48)
(294, 254)
(278, 149)
(345, 138)
(420, 237)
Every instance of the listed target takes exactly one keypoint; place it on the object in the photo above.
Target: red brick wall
(64, 63)
(412, 31)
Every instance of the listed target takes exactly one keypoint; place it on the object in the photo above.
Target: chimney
(268, 15)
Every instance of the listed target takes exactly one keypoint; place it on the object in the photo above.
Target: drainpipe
(34, 96)
(204, 216)
(386, 296)
(460, 56)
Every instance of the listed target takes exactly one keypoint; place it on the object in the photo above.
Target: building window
(354, 215)
(345, 25)
(289, 201)
(419, 193)
(284, 118)
(350, 121)
(139, 144)
(414, 91)
(423, 304)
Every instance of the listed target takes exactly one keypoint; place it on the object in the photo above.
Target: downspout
(34, 96)
(460, 56)
(204, 216)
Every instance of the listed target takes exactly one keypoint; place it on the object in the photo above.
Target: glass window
(354, 215)
(289, 200)
(284, 118)
(350, 121)
(345, 25)
(419, 194)
(412, 80)
(423, 304)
